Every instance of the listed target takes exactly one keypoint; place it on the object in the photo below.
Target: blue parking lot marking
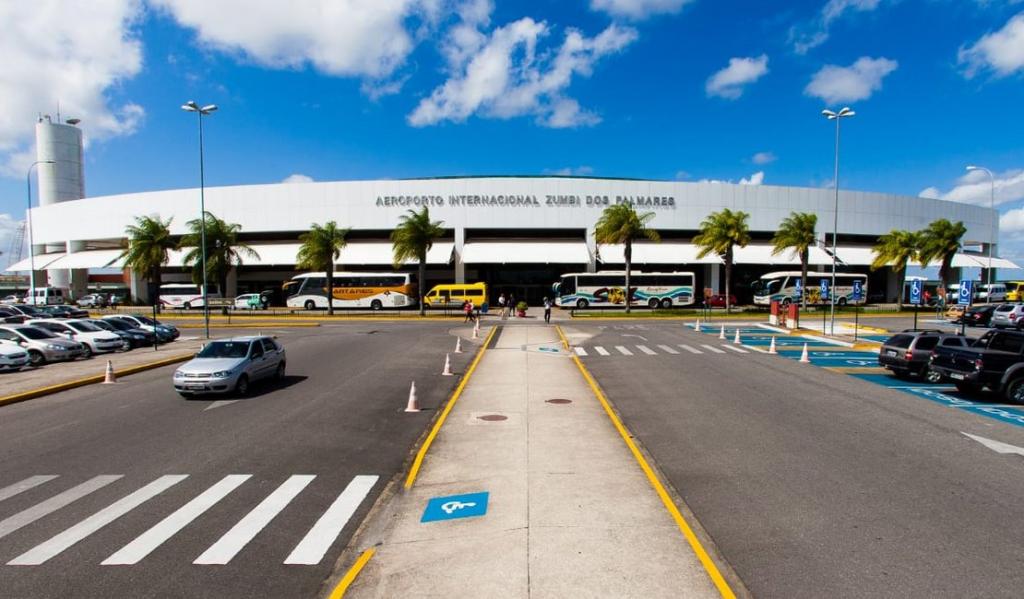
(455, 506)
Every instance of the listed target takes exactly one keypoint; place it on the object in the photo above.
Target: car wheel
(967, 388)
(1015, 391)
(188, 305)
(582, 304)
(666, 303)
(36, 358)
(242, 386)
(652, 303)
(310, 305)
(86, 351)
(932, 376)
(376, 305)
(841, 301)
(279, 375)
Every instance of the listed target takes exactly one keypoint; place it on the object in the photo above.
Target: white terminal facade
(515, 233)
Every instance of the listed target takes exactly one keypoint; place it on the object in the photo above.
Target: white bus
(781, 286)
(651, 289)
(374, 290)
(184, 295)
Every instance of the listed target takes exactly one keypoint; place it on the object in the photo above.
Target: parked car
(718, 301)
(1007, 316)
(252, 301)
(135, 337)
(995, 361)
(979, 316)
(230, 365)
(27, 311)
(908, 353)
(12, 299)
(12, 356)
(42, 345)
(10, 316)
(997, 293)
(954, 313)
(93, 300)
(164, 332)
(95, 339)
(64, 311)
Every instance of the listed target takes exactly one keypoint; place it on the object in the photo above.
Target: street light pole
(992, 230)
(191, 106)
(835, 116)
(28, 219)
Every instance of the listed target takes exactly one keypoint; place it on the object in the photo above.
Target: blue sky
(662, 89)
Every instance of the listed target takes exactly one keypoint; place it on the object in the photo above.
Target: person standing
(467, 307)
(501, 305)
(511, 304)
(547, 311)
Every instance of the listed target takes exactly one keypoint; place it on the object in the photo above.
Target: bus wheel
(582, 304)
(842, 301)
(375, 305)
(310, 305)
(652, 303)
(666, 303)
(188, 305)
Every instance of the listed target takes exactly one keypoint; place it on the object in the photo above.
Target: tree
(223, 249)
(149, 241)
(797, 232)
(320, 248)
(411, 240)
(621, 224)
(941, 241)
(719, 233)
(897, 248)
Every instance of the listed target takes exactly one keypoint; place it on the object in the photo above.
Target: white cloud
(848, 84)
(71, 53)
(637, 9)
(811, 36)
(975, 188)
(297, 178)
(764, 158)
(1012, 223)
(1001, 51)
(755, 179)
(683, 176)
(579, 171)
(728, 83)
(503, 75)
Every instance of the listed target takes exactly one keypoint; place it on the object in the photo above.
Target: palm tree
(719, 233)
(941, 241)
(797, 232)
(620, 224)
(149, 240)
(223, 249)
(320, 248)
(411, 240)
(897, 248)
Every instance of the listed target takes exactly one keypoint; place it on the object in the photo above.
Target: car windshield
(117, 323)
(35, 333)
(84, 327)
(1005, 308)
(146, 320)
(900, 341)
(225, 349)
(103, 324)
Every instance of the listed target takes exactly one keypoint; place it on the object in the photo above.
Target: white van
(997, 293)
(47, 296)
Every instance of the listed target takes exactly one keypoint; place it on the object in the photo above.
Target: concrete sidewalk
(570, 514)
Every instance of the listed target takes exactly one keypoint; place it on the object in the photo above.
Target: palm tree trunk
(903, 284)
(629, 263)
(421, 284)
(330, 290)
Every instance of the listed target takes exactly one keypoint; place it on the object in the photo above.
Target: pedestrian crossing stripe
(310, 550)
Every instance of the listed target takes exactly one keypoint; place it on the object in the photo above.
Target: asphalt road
(335, 424)
(814, 483)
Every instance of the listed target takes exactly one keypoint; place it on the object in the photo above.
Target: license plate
(890, 353)
(195, 386)
(958, 377)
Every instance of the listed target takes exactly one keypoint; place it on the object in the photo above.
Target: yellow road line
(444, 413)
(353, 572)
(251, 324)
(666, 499)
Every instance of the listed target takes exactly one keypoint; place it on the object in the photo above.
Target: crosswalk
(309, 550)
(659, 349)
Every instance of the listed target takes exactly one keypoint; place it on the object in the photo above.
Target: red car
(718, 301)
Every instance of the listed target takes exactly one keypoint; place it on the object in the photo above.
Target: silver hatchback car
(231, 365)
(1008, 316)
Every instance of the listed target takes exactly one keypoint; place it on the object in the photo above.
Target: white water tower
(62, 181)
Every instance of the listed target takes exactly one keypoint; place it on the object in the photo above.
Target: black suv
(908, 353)
(995, 361)
(979, 316)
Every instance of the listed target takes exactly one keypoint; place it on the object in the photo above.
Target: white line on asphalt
(220, 403)
(757, 349)
(735, 349)
(147, 542)
(580, 351)
(228, 546)
(601, 350)
(667, 349)
(29, 483)
(41, 553)
(712, 348)
(45, 508)
(318, 540)
(692, 350)
(647, 350)
(622, 350)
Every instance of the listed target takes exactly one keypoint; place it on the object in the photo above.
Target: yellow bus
(455, 294)
(1014, 291)
(374, 290)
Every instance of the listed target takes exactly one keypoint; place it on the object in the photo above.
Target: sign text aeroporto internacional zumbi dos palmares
(525, 201)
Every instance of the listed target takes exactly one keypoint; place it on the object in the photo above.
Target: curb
(251, 325)
(90, 380)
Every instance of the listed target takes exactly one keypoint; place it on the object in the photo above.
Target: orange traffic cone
(109, 377)
(771, 348)
(804, 357)
(447, 366)
(458, 345)
(414, 404)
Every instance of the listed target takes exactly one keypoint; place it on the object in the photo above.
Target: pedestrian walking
(511, 304)
(501, 304)
(547, 311)
(467, 307)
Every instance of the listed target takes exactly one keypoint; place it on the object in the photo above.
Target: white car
(12, 356)
(230, 365)
(250, 301)
(94, 339)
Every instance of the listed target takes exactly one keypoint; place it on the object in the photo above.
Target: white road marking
(996, 446)
(318, 540)
(225, 549)
(29, 483)
(736, 349)
(580, 351)
(622, 350)
(667, 349)
(692, 350)
(220, 403)
(147, 542)
(757, 349)
(647, 350)
(45, 508)
(712, 349)
(601, 350)
(41, 553)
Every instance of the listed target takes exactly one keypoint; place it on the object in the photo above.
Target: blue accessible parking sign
(823, 286)
(455, 506)
(915, 291)
(965, 292)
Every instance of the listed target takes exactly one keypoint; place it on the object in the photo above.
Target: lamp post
(28, 218)
(191, 106)
(992, 230)
(835, 116)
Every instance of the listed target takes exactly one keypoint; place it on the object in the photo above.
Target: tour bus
(651, 289)
(184, 295)
(454, 295)
(781, 286)
(374, 290)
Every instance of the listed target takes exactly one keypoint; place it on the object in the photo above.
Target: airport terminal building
(515, 233)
